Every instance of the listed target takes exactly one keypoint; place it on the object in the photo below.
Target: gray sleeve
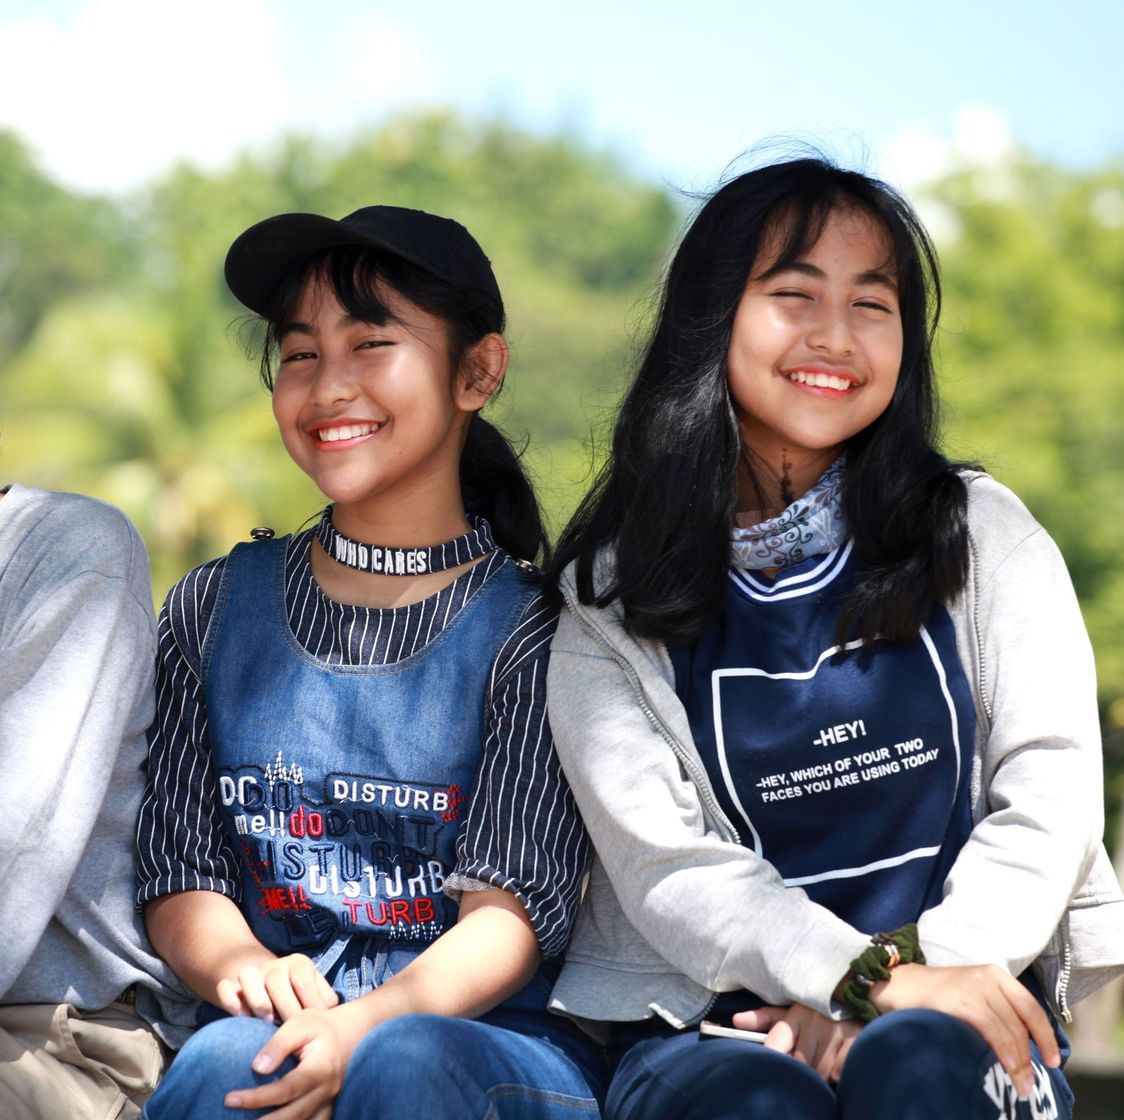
(76, 652)
(1039, 812)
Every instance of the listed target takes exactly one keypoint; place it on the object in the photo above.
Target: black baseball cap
(261, 257)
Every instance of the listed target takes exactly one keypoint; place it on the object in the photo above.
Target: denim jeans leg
(925, 1065)
(214, 1061)
(687, 1077)
(432, 1066)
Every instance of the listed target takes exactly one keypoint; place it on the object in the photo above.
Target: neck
(771, 486)
(403, 524)
(367, 589)
(391, 525)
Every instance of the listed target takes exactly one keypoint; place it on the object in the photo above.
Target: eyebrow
(873, 276)
(294, 327)
(298, 326)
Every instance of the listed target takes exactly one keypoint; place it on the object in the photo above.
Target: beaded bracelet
(886, 951)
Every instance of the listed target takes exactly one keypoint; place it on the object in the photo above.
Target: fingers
(286, 1042)
(256, 998)
(783, 1036)
(304, 1092)
(1003, 1031)
(1008, 1017)
(229, 995)
(759, 1019)
(811, 1038)
(850, 1033)
(297, 1087)
(1024, 1020)
(280, 985)
(814, 1039)
(308, 987)
(989, 1000)
(1036, 1022)
(278, 991)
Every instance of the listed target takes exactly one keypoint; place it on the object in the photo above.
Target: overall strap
(253, 580)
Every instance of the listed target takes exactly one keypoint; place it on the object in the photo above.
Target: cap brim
(261, 257)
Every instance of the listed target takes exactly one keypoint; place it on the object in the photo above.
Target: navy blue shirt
(847, 769)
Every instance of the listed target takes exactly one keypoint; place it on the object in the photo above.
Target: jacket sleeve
(76, 651)
(1039, 797)
(711, 907)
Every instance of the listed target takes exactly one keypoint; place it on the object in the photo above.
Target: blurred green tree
(52, 243)
(1032, 349)
(148, 380)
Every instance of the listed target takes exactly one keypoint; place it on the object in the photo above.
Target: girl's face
(372, 414)
(816, 347)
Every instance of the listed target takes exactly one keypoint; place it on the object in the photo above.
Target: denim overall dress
(342, 788)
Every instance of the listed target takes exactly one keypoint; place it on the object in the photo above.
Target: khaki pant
(58, 1063)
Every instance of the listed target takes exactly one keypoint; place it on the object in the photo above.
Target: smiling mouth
(346, 431)
(818, 379)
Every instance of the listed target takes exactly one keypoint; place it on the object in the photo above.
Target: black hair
(663, 504)
(493, 482)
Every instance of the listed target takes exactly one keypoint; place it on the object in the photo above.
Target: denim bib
(343, 788)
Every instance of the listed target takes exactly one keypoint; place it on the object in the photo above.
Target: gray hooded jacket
(677, 909)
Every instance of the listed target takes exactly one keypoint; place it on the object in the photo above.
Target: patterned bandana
(811, 526)
(386, 561)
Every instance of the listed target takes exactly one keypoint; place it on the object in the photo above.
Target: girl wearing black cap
(350, 717)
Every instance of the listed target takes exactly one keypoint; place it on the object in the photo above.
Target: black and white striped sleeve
(523, 832)
(181, 843)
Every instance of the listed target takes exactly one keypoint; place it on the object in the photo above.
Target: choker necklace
(386, 561)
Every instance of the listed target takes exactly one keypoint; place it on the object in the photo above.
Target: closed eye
(789, 293)
(299, 356)
(374, 344)
(874, 305)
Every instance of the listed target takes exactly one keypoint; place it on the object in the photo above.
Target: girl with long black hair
(825, 700)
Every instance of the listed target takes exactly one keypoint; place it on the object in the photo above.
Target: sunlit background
(137, 139)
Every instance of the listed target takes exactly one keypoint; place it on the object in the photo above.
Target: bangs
(794, 225)
(794, 228)
(357, 276)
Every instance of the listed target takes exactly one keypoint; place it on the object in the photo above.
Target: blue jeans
(509, 1065)
(908, 1065)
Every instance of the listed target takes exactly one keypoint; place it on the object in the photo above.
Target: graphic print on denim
(801, 744)
(344, 801)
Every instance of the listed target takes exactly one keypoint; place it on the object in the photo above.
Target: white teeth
(820, 380)
(346, 431)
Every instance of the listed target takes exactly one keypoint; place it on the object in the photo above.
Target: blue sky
(110, 92)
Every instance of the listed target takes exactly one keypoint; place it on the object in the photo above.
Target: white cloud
(982, 137)
(377, 67)
(979, 141)
(121, 89)
(979, 137)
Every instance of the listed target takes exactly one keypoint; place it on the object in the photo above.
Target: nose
(830, 331)
(335, 378)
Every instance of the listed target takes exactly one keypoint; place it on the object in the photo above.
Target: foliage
(1032, 348)
(141, 392)
(52, 244)
(125, 376)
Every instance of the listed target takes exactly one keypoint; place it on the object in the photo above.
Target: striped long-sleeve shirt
(522, 832)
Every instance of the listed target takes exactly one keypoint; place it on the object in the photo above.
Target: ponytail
(495, 486)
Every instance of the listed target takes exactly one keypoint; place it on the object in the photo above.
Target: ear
(481, 373)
